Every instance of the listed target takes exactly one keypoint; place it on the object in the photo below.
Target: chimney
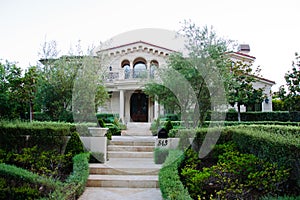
(244, 48)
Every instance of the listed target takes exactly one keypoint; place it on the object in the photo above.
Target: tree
(204, 70)
(61, 75)
(291, 93)
(240, 87)
(29, 88)
(10, 94)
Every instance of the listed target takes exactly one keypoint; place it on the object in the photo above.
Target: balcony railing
(128, 75)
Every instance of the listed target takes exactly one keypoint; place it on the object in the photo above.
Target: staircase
(138, 129)
(130, 164)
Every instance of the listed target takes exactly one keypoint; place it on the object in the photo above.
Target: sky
(270, 27)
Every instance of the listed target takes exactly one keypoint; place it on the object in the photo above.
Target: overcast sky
(270, 27)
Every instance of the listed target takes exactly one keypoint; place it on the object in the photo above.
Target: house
(134, 56)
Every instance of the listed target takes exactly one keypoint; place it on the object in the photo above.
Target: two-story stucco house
(134, 56)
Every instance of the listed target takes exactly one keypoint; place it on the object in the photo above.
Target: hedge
(283, 116)
(276, 144)
(22, 176)
(47, 136)
(71, 189)
(279, 144)
(169, 181)
(76, 182)
(283, 149)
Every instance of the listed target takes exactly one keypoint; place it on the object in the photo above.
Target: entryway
(139, 107)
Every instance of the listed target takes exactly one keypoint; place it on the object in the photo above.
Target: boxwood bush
(169, 181)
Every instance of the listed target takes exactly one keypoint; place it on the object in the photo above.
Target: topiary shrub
(168, 126)
(74, 145)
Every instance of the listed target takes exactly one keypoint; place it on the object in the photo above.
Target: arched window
(126, 67)
(139, 68)
(153, 67)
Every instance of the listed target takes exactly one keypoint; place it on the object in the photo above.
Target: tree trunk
(239, 112)
(31, 111)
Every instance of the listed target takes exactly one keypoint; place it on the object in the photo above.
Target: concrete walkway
(130, 175)
(101, 193)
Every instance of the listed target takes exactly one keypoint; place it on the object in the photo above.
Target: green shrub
(168, 126)
(41, 116)
(169, 181)
(74, 145)
(18, 183)
(46, 135)
(76, 182)
(232, 176)
(46, 163)
(283, 116)
(160, 155)
(101, 123)
(155, 125)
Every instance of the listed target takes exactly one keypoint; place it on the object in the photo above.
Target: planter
(97, 132)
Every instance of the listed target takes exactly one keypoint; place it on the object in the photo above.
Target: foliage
(18, 183)
(45, 163)
(240, 88)
(278, 105)
(190, 95)
(12, 88)
(76, 182)
(74, 145)
(46, 135)
(101, 123)
(169, 180)
(291, 94)
(155, 125)
(233, 176)
(160, 155)
(168, 126)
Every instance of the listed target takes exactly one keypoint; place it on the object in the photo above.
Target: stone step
(131, 143)
(124, 181)
(129, 154)
(101, 169)
(138, 129)
(130, 148)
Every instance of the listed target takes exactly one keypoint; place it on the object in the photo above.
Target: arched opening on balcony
(126, 67)
(139, 68)
(153, 66)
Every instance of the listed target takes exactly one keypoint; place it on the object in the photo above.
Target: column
(156, 110)
(131, 69)
(149, 110)
(148, 69)
(121, 113)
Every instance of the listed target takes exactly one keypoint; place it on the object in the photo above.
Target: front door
(139, 107)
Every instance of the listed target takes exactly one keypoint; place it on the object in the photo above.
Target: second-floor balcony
(122, 74)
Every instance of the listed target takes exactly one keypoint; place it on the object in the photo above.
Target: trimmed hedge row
(169, 181)
(20, 177)
(283, 116)
(71, 189)
(279, 144)
(282, 147)
(76, 182)
(47, 136)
